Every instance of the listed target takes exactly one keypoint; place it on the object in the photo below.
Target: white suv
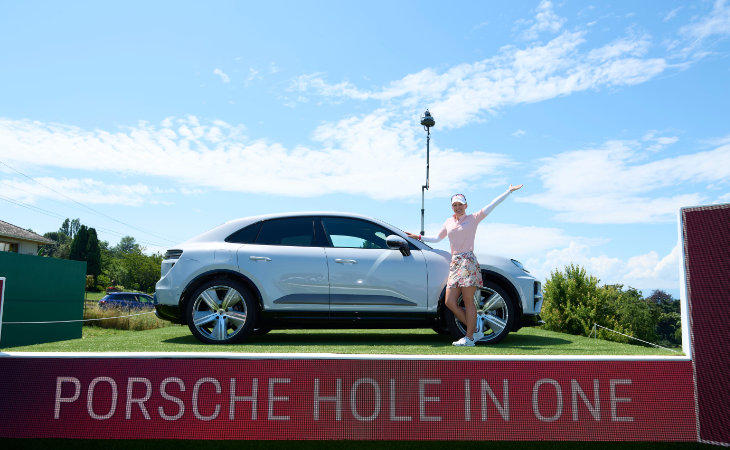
(328, 270)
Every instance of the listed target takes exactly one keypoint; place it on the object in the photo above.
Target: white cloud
(253, 74)
(543, 250)
(671, 14)
(650, 266)
(519, 133)
(519, 241)
(717, 22)
(658, 142)
(370, 155)
(692, 36)
(646, 271)
(615, 183)
(464, 93)
(82, 190)
(224, 77)
(315, 82)
(545, 21)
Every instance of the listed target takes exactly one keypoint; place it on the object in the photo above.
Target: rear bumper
(169, 313)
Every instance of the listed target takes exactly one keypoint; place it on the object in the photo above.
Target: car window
(145, 299)
(355, 233)
(246, 235)
(294, 231)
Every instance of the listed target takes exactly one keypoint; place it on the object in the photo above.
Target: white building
(17, 240)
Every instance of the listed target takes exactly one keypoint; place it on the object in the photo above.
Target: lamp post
(427, 121)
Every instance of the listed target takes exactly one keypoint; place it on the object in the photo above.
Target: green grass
(94, 296)
(528, 341)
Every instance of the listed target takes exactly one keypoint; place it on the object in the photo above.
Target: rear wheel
(221, 311)
(495, 314)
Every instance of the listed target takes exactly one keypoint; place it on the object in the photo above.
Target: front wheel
(221, 311)
(495, 314)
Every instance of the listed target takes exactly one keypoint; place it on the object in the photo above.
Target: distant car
(127, 300)
(328, 270)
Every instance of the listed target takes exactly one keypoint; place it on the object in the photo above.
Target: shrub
(570, 301)
(574, 302)
(101, 282)
(90, 284)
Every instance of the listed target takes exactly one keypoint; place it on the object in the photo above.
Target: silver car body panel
(312, 278)
(363, 279)
(288, 278)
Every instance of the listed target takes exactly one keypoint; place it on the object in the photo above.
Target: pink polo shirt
(461, 231)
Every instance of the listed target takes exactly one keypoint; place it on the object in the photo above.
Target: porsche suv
(328, 270)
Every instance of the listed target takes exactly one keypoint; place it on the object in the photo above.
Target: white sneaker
(476, 337)
(463, 342)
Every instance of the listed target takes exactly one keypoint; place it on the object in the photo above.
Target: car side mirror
(398, 243)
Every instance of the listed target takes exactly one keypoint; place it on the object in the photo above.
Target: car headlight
(519, 264)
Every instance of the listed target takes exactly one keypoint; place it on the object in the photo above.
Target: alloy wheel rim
(492, 313)
(219, 313)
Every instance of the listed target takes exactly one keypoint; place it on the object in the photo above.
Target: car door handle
(345, 261)
(259, 258)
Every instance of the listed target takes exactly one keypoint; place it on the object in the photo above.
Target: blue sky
(161, 120)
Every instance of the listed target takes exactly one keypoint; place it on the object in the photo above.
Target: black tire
(495, 309)
(221, 311)
(260, 331)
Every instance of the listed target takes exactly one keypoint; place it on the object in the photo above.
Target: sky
(161, 120)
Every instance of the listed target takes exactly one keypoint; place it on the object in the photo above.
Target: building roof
(11, 231)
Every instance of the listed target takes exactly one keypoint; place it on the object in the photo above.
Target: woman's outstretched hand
(413, 236)
(514, 188)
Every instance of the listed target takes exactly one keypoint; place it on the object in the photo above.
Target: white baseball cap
(458, 198)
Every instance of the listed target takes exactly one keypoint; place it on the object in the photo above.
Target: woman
(464, 273)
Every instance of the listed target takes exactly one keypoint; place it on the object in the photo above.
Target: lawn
(528, 341)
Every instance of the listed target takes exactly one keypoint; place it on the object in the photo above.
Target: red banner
(346, 399)
(706, 237)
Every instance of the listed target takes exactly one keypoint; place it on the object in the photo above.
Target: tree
(628, 313)
(139, 271)
(660, 297)
(53, 250)
(669, 328)
(78, 245)
(70, 227)
(127, 244)
(65, 228)
(93, 255)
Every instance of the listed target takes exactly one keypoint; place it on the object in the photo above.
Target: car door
(282, 258)
(368, 277)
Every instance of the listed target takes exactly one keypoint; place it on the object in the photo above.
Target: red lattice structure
(706, 248)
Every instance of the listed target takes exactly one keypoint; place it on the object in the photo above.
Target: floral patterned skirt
(464, 271)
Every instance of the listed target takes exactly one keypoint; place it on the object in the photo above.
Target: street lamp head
(427, 120)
